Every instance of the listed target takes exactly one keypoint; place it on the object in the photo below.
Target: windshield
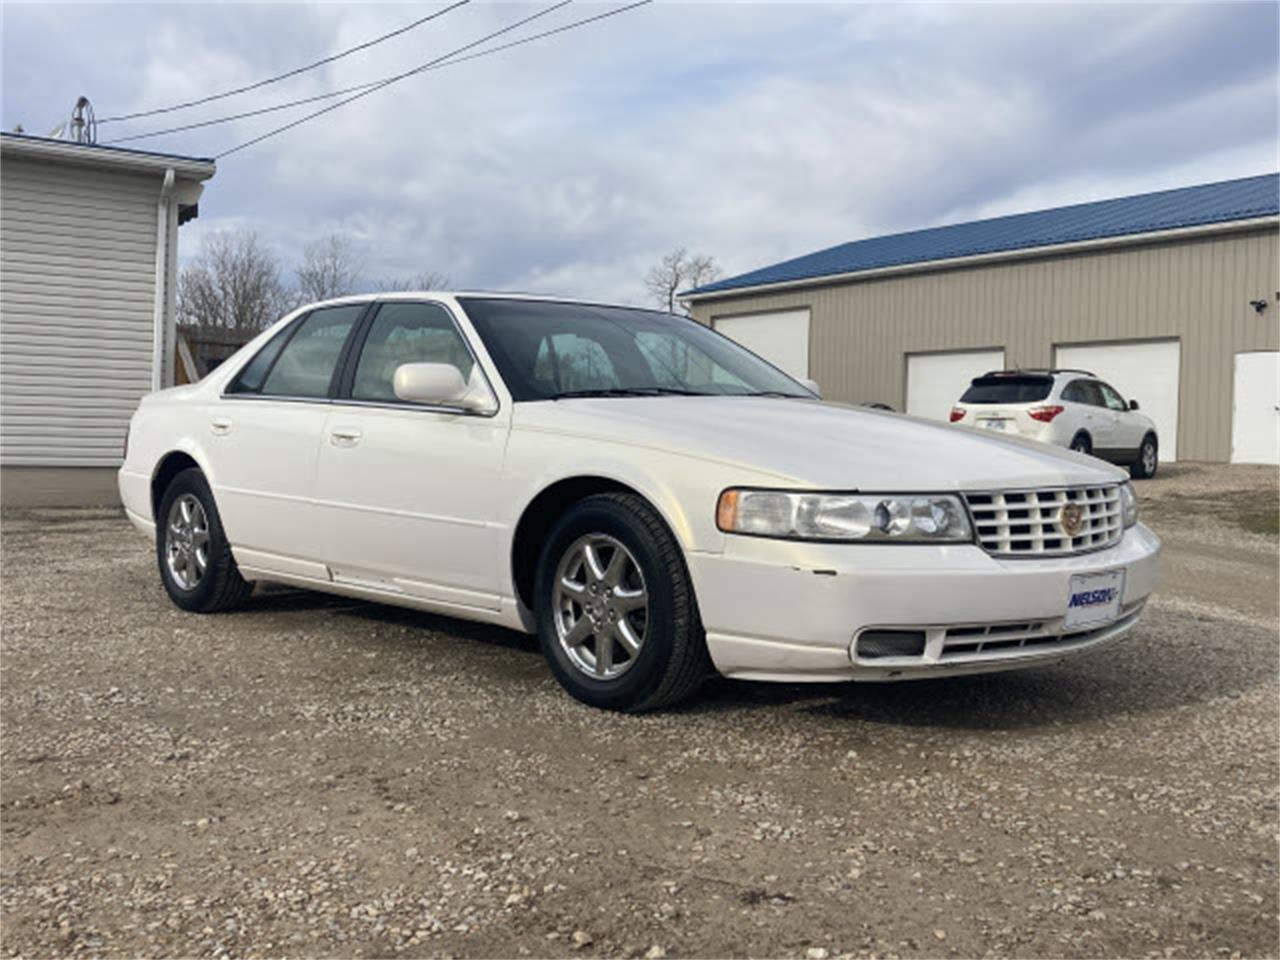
(546, 351)
(1008, 389)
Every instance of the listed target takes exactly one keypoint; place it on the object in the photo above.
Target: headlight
(878, 517)
(1128, 504)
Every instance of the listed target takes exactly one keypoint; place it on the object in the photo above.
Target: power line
(248, 113)
(426, 66)
(378, 85)
(452, 61)
(292, 73)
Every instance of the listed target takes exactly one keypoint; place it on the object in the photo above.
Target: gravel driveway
(316, 776)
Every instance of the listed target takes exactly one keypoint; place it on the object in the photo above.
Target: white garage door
(781, 337)
(1255, 412)
(1146, 372)
(936, 380)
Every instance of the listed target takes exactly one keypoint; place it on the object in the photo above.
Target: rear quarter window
(1008, 390)
(251, 376)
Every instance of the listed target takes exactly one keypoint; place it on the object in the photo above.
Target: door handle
(344, 436)
(221, 426)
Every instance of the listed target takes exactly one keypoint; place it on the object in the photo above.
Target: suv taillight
(957, 413)
(1044, 414)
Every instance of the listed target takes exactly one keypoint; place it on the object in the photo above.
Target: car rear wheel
(196, 566)
(1144, 468)
(1080, 443)
(617, 618)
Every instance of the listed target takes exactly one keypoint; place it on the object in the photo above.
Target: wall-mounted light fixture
(1258, 305)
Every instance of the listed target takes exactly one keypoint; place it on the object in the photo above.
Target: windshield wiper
(771, 393)
(627, 392)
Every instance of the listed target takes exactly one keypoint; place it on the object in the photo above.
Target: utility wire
(423, 67)
(378, 85)
(292, 73)
(372, 83)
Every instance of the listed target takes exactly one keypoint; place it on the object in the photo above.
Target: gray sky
(752, 132)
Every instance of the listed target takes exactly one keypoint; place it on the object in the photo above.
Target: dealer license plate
(1093, 599)
(996, 424)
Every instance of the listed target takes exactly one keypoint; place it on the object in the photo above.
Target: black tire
(220, 586)
(672, 661)
(1148, 461)
(1081, 443)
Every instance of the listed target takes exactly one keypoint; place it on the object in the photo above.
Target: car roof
(485, 294)
(1040, 372)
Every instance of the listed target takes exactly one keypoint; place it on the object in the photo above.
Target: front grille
(1022, 523)
(977, 642)
(1005, 639)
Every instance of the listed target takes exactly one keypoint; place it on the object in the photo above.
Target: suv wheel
(1080, 443)
(617, 619)
(196, 566)
(1144, 468)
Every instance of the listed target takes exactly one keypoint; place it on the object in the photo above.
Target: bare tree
(232, 284)
(678, 271)
(331, 267)
(424, 280)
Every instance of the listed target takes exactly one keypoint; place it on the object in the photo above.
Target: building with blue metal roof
(1165, 292)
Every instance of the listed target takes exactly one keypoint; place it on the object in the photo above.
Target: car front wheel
(1144, 468)
(196, 566)
(617, 618)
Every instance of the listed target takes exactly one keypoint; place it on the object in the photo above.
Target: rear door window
(250, 378)
(306, 364)
(1008, 389)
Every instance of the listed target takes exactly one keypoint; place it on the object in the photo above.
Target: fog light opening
(875, 644)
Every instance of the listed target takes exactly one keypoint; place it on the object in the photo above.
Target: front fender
(682, 489)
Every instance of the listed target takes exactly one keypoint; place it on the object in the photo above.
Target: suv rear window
(1010, 389)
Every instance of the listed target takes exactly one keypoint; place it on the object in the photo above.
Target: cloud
(750, 132)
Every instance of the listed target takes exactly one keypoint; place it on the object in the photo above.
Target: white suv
(1070, 408)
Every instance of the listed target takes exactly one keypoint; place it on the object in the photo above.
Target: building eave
(981, 259)
(62, 151)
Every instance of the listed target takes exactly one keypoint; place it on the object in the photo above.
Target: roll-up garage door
(1146, 371)
(781, 337)
(936, 380)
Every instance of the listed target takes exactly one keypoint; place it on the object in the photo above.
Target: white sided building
(88, 278)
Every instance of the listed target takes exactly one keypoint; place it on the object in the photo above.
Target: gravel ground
(315, 776)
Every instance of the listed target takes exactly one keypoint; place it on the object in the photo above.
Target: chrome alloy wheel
(186, 542)
(601, 606)
(1149, 458)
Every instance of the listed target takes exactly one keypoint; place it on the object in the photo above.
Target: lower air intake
(891, 643)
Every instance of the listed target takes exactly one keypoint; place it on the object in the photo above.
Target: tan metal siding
(77, 308)
(1195, 289)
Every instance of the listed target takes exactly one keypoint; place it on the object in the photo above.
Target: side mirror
(812, 385)
(1133, 404)
(441, 385)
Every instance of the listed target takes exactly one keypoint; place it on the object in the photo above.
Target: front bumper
(781, 610)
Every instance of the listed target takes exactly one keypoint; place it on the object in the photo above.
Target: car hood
(818, 444)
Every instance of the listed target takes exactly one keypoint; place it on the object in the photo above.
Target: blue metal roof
(1166, 210)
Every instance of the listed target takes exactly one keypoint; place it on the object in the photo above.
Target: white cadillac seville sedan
(651, 499)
